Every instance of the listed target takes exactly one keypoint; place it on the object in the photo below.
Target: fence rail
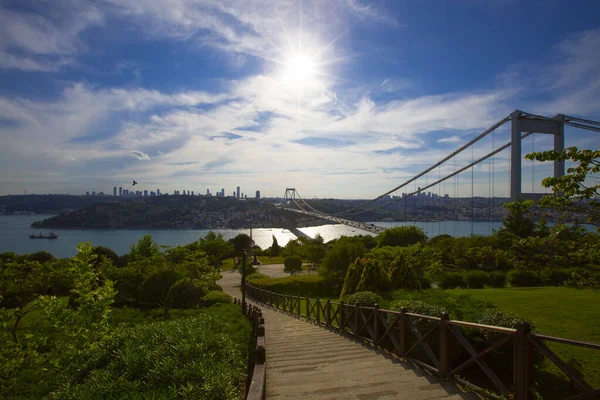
(445, 347)
(257, 388)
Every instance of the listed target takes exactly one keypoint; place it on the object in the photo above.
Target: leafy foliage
(186, 358)
(292, 264)
(216, 248)
(339, 257)
(453, 280)
(299, 285)
(216, 296)
(477, 279)
(364, 299)
(401, 236)
(574, 193)
(523, 278)
(143, 249)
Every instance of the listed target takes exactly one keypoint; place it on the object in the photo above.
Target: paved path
(305, 361)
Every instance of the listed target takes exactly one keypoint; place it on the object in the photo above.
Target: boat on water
(50, 235)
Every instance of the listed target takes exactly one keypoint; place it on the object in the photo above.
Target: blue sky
(338, 98)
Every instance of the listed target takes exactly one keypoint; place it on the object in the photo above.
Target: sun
(300, 70)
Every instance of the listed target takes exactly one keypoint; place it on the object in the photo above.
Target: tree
(292, 264)
(402, 274)
(21, 284)
(373, 277)
(352, 277)
(401, 236)
(144, 248)
(314, 250)
(518, 221)
(574, 193)
(275, 249)
(41, 256)
(241, 243)
(102, 251)
(339, 257)
(216, 248)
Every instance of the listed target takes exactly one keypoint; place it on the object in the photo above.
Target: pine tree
(402, 274)
(353, 277)
(373, 277)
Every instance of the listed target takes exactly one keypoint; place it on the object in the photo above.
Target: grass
(556, 311)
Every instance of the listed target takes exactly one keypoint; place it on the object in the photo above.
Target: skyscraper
(258, 194)
(115, 191)
(222, 192)
(145, 193)
(208, 192)
(120, 191)
(158, 192)
(238, 192)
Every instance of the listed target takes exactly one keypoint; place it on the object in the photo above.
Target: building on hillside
(258, 194)
(115, 191)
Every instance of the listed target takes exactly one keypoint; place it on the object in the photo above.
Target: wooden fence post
(328, 313)
(403, 341)
(376, 323)
(355, 327)
(523, 362)
(341, 313)
(298, 306)
(318, 308)
(307, 308)
(444, 345)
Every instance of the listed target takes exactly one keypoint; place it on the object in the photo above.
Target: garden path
(306, 361)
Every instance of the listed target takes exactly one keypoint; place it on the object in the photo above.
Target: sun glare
(300, 71)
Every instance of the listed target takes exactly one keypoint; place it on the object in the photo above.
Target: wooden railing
(257, 387)
(440, 345)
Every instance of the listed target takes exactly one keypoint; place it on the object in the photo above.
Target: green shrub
(401, 236)
(477, 279)
(498, 279)
(41, 257)
(216, 297)
(257, 275)
(425, 283)
(582, 279)
(523, 278)
(555, 277)
(453, 280)
(202, 357)
(298, 285)
(292, 264)
(185, 293)
(365, 299)
(419, 307)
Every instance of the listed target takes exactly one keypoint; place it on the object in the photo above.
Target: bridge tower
(522, 122)
(290, 194)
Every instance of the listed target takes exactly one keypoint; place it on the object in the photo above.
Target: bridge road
(305, 361)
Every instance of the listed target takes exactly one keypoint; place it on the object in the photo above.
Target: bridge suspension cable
(426, 171)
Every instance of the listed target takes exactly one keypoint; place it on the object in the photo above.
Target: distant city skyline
(339, 99)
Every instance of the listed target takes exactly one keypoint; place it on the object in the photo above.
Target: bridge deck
(305, 361)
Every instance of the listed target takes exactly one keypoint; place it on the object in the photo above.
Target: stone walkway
(306, 361)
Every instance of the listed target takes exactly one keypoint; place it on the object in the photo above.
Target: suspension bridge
(466, 176)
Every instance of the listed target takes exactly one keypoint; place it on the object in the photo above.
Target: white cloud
(451, 139)
(33, 42)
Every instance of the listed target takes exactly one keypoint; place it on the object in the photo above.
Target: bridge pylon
(529, 123)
